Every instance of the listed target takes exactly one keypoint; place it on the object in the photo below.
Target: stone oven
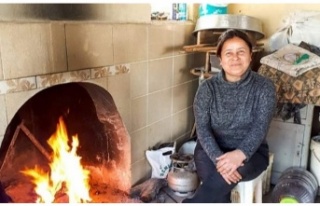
(49, 48)
(89, 111)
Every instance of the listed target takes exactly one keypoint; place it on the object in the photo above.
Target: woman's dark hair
(229, 34)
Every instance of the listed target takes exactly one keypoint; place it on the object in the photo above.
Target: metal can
(175, 12)
(182, 7)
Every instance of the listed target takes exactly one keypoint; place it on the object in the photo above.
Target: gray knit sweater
(234, 115)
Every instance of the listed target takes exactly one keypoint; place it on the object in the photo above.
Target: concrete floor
(168, 196)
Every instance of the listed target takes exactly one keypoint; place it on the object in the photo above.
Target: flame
(66, 171)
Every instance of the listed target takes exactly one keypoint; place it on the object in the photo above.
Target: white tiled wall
(139, 64)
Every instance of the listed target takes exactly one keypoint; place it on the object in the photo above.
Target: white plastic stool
(249, 189)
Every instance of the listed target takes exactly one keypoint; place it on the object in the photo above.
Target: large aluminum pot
(230, 21)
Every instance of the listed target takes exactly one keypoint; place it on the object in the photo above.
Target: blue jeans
(214, 189)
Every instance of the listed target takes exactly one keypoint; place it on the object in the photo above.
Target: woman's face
(235, 58)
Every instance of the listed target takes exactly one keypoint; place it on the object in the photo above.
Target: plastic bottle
(295, 185)
(175, 11)
(201, 77)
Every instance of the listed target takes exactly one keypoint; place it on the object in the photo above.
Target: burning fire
(66, 172)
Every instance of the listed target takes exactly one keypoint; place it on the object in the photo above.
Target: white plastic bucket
(315, 159)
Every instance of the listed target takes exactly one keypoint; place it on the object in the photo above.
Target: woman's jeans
(214, 189)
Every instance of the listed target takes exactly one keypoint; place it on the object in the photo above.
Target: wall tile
(102, 82)
(59, 78)
(160, 74)
(105, 71)
(3, 116)
(32, 48)
(89, 45)
(181, 69)
(139, 113)
(183, 95)
(139, 145)
(17, 85)
(140, 171)
(58, 47)
(183, 123)
(159, 105)
(1, 70)
(138, 79)
(103, 11)
(130, 43)
(183, 35)
(119, 88)
(125, 12)
(160, 132)
(14, 101)
(125, 115)
(160, 42)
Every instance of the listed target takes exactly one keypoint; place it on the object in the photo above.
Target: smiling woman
(235, 55)
(233, 111)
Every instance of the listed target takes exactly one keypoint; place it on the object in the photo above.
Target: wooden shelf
(200, 48)
(213, 49)
(206, 74)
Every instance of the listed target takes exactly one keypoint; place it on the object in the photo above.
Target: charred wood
(148, 190)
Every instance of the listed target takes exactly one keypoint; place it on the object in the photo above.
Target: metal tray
(230, 21)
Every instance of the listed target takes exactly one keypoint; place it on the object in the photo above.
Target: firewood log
(148, 190)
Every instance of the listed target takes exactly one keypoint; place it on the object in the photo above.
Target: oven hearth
(88, 111)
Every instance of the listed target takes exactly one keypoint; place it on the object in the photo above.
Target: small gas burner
(182, 178)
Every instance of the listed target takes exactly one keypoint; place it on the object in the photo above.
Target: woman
(233, 111)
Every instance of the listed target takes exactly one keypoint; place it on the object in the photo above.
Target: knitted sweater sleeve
(205, 136)
(263, 116)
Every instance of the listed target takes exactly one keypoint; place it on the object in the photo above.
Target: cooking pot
(220, 22)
